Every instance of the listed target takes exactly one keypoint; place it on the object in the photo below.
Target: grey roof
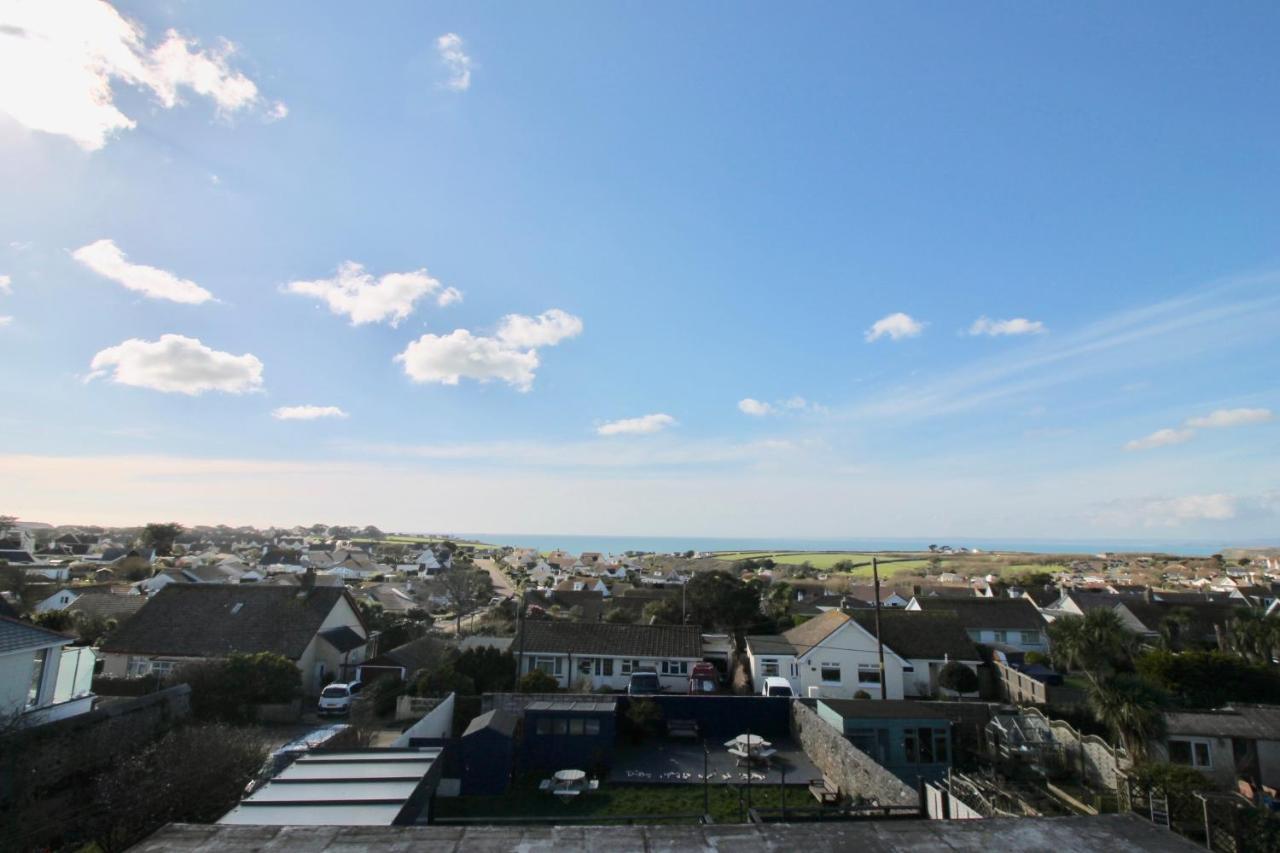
(597, 638)
(1253, 722)
(209, 620)
(1126, 833)
(770, 644)
(920, 634)
(413, 655)
(997, 614)
(601, 707)
(107, 605)
(498, 720)
(15, 636)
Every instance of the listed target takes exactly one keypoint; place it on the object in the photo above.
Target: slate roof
(920, 634)
(606, 639)
(770, 644)
(107, 605)
(15, 636)
(502, 722)
(1204, 615)
(343, 638)
(203, 620)
(1253, 722)
(998, 614)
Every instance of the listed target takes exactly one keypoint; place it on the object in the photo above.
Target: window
(560, 726)
(999, 636)
(575, 726)
(592, 727)
(138, 667)
(604, 666)
(868, 673)
(551, 666)
(675, 667)
(627, 666)
(925, 746)
(1031, 638)
(585, 666)
(544, 726)
(1192, 752)
(940, 746)
(908, 668)
(830, 673)
(162, 668)
(769, 666)
(37, 677)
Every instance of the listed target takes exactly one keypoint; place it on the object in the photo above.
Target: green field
(425, 540)
(824, 560)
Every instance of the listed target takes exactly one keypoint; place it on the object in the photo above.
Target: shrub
(228, 690)
(862, 694)
(538, 682)
(1209, 679)
(958, 678)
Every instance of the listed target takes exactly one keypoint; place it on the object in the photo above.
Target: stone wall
(1089, 755)
(850, 768)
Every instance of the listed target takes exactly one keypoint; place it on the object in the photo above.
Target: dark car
(644, 682)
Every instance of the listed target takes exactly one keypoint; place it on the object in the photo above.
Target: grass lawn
(649, 801)
(425, 540)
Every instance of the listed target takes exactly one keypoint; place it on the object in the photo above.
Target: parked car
(705, 678)
(337, 698)
(776, 686)
(644, 682)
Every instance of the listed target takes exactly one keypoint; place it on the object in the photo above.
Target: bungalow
(601, 654)
(319, 628)
(41, 679)
(836, 655)
(1241, 742)
(1009, 622)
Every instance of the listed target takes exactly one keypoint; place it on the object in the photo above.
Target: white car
(775, 686)
(337, 698)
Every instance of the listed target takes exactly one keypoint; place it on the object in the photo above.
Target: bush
(958, 678)
(1180, 783)
(642, 718)
(862, 694)
(228, 690)
(1031, 658)
(489, 669)
(1209, 679)
(538, 682)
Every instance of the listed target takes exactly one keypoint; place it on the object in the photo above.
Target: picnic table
(748, 748)
(568, 783)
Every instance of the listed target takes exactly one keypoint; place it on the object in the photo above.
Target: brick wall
(849, 767)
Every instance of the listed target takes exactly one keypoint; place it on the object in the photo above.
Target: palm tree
(1173, 629)
(1097, 643)
(1130, 708)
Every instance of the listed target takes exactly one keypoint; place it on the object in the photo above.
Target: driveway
(501, 583)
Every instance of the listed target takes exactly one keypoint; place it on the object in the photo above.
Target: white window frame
(822, 675)
(870, 669)
(1031, 638)
(769, 667)
(1192, 743)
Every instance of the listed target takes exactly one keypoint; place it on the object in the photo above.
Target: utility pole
(875, 575)
(524, 602)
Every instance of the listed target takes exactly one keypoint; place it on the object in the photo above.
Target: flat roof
(884, 709)
(1127, 833)
(349, 787)
(575, 707)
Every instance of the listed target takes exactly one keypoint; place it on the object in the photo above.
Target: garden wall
(850, 768)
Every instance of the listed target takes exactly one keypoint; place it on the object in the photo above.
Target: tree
(777, 600)
(374, 533)
(665, 611)
(443, 680)
(1174, 629)
(1130, 708)
(1097, 643)
(466, 589)
(229, 690)
(1210, 679)
(958, 678)
(617, 616)
(160, 537)
(717, 599)
(1254, 635)
(538, 681)
(491, 670)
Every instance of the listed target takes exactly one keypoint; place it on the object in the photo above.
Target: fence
(1019, 688)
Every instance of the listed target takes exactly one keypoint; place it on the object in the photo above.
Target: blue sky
(717, 203)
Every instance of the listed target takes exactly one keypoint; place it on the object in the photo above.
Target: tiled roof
(815, 630)
(920, 634)
(995, 613)
(1255, 722)
(601, 638)
(770, 644)
(207, 620)
(108, 605)
(16, 636)
(503, 722)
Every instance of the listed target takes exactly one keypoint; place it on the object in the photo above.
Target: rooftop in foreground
(1120, 833)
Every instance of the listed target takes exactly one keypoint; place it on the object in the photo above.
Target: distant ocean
(668, 544)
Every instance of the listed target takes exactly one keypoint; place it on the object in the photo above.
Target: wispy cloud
(644, 425)
(77, 49)
(1014, 326)
(307, 413)
(755, 408)
(456, 61)
(6, 285)
(895, 327)
(105, 258)
(1160, 438)
(1231, 418)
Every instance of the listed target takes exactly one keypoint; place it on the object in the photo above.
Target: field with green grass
(825, 560)
(426, 540)
(650, 801)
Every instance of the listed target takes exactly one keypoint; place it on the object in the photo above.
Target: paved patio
(681, 762)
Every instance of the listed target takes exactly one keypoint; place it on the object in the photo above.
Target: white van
(336, 698)
(776, 686)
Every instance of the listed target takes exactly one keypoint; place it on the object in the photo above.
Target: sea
(576, 544)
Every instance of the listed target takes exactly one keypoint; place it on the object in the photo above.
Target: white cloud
(511, 355)
(177, 364)
(277, 111)
(456, 61)
(59, 60)
(895, 326)
(354, 293)
(5, 320)
(547, 329)
(1231, 418)
(748, 406)
(1171, 512)
(1015, 326)
(6, 284)
(448, 296)
(106, 259)
(307, 413)
(1160, 438)
(643, 425)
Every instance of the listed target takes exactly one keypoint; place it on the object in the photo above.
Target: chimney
(1146, 595)
(308, 580)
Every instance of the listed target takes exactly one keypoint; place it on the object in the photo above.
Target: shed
(561, 735)
(909, 739)
(488, 748)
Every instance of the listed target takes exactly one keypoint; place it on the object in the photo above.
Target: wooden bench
(682, 728)
(825, 791)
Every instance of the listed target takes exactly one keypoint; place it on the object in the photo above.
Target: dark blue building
(487, 750)
(569, 735)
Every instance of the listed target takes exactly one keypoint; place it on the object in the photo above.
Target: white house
(836, 655)
(600, 654)
(42, 678)
(1013, 623)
